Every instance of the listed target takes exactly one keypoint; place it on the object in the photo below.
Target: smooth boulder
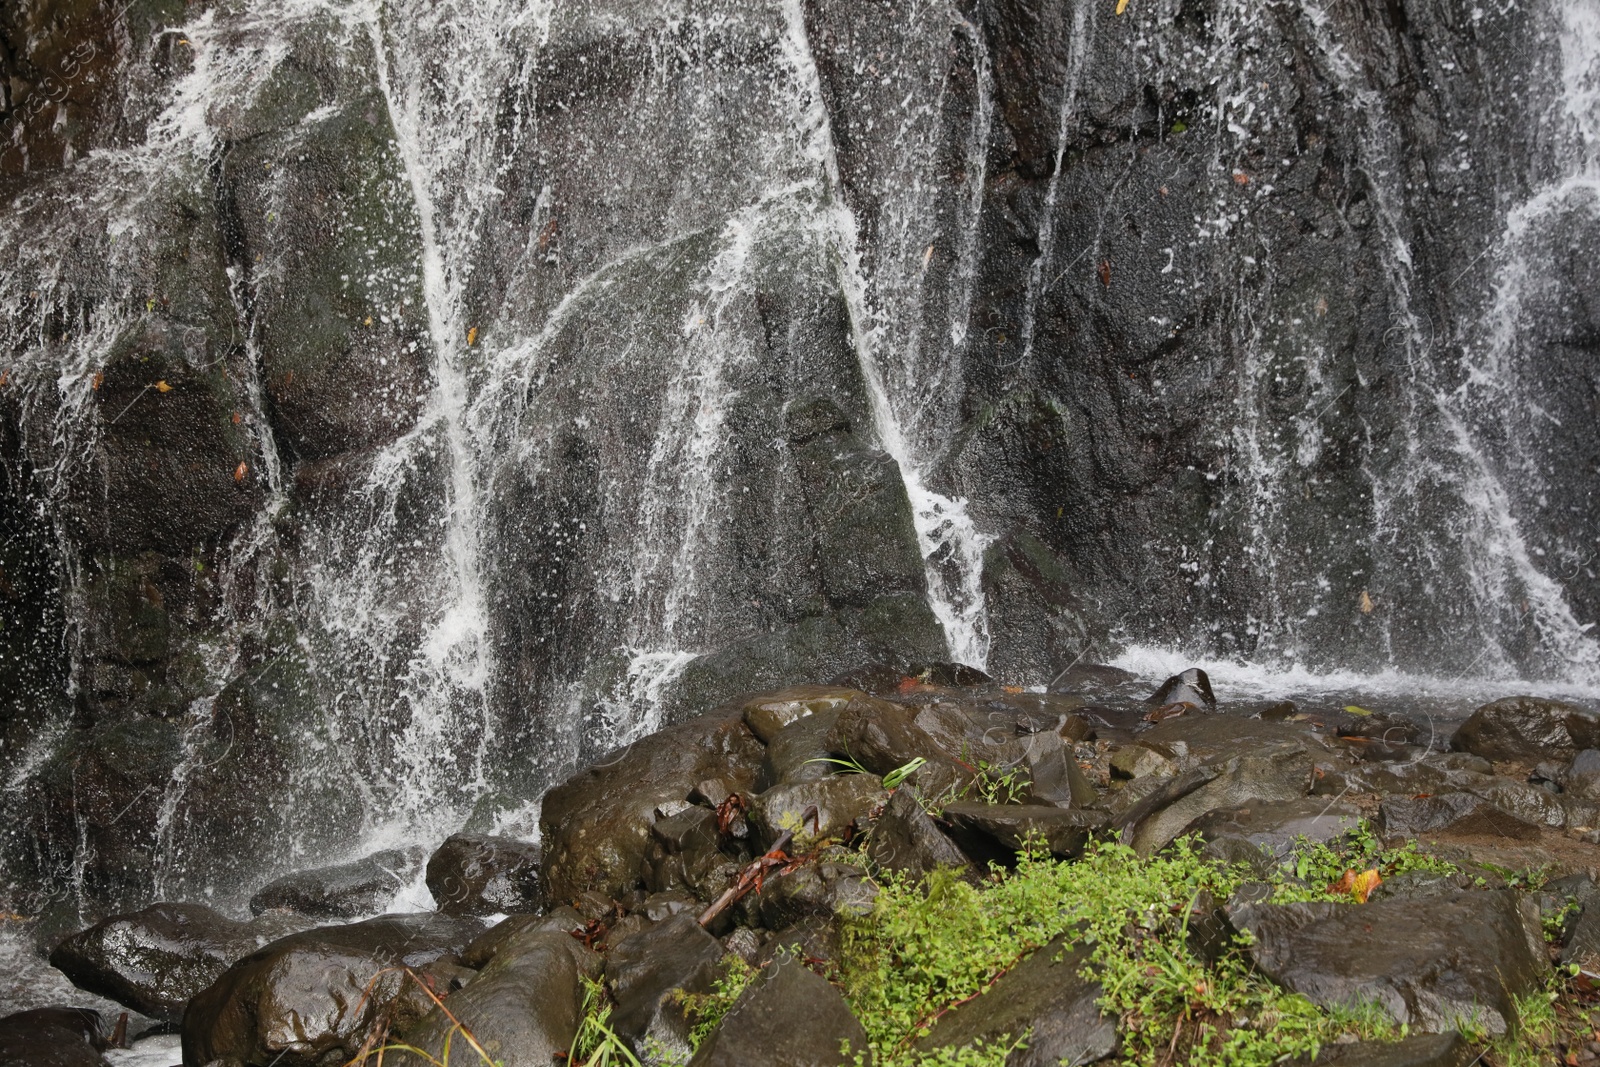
(1454, 813)
(1524, 729)
(839, 799)
(315, 995)
(787, 1017)
(343, 891)
(524, 1008)
(155, 960)
(473, 874)
(982, 828)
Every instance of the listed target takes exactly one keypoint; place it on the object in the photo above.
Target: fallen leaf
(907, 683)
(1105, 272)
(1011, 689)
(367, 321)
(472, 336)
(1322, 305)
(237, 418)
(1241, 178)
(1365, 603)
(5, 376)
(1122, 5)
(1363, 884)
(927, 256)
(99, 376)
(163, 387)
(240, 471)
(1356, 709)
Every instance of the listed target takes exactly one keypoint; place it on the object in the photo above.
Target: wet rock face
(155, 960)
(294, 1002)
(674, 362)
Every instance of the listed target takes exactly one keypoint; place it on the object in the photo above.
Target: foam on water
(1242, 679)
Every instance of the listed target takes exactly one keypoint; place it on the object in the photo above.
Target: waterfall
(422, 397)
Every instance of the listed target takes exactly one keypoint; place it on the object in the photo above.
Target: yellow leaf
(1122, 5)
(472, 337)
(1362, 885)
(1365, 603)
(1357, 710)
(163, 387)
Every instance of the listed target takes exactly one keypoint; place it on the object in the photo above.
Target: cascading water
(425, 397)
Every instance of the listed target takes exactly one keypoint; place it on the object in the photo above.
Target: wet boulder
(769, 714)
(645, 970)
(595, 827)
(314, 996)
(840, 800)
(883, 736)
(343, 891)
(999, 831)
(1524, 729)
(1192, 687)
(1044, 997)
(153, 961)
(1452, 813)
(523, 1008)
(1054, 776)
(472, 874)
(1582, 778)
(52, 1037)
(788, 1017)
(486, 946)
(1427, 962)
(1139, 760)
(905, 838)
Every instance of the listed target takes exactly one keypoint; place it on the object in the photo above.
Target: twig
(753, 874)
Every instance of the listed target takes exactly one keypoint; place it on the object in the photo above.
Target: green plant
(596, 1044)
(892, 780)
(1313, 869)
(706, 1010)
(926, 948)
(995, 786)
